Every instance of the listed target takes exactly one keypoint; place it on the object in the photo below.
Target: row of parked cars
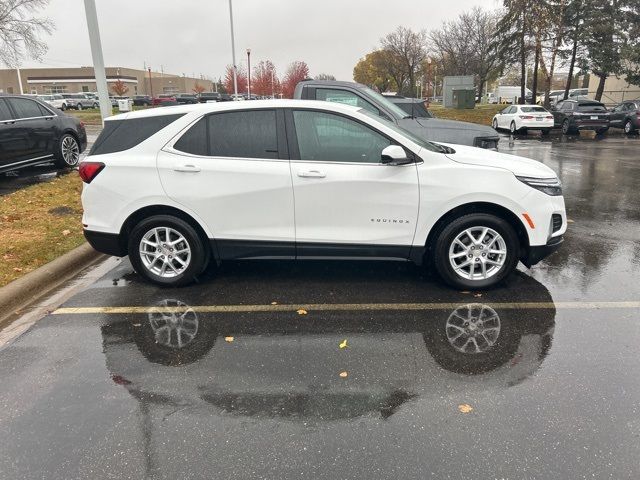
(571, 116)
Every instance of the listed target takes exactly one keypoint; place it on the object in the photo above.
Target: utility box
(464, 98)
(125, 105)
(455, 82)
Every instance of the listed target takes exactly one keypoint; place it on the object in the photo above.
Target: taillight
(549, 117)
(526, 117)
(89, 170)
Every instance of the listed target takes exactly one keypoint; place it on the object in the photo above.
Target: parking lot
(351, 369)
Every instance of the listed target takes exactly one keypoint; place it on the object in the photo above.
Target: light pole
(98, 60)
(428, 77)
(233, 51)
(248, 74)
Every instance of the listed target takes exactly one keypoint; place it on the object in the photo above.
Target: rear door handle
(186, 168)
(312, 174)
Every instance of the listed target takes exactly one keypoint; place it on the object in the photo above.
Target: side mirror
(394, 155)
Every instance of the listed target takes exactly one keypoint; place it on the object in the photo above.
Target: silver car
(79, 101)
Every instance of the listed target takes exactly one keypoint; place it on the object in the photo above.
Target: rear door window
(244, 134)
(194, 141)
(25, 108)
(345, 97)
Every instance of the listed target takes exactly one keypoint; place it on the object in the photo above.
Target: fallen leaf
(465, 291)
(301, 311)
(228, 339)
(465, 408)
(477, 295)
(66, 232)
(274, 303)
(343, 374)
(16, 269)
(570, 221)
(344, 344)
(137, 324)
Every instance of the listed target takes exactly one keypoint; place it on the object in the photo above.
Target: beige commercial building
(82, 79)
(616, 90)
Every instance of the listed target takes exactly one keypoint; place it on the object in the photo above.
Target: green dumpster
(464, 98)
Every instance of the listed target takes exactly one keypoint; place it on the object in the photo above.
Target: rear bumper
(592, 125)
(540, 252)
(108, 243)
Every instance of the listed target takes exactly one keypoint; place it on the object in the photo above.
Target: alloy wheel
(477, 253)
(513, 127)
(473, 328)
(70, 150)
(165, 252)
(628, 127)
(495, 124)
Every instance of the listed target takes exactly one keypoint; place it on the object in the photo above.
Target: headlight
(486, 142)
(550, 186)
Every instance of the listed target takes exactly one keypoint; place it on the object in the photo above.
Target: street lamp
(233, 51)
(248, 74)
(428, 76)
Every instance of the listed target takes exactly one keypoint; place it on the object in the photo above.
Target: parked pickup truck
(434, 129)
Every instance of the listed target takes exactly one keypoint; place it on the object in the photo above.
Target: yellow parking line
(340, 307)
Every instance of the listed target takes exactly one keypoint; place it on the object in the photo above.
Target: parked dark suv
(186, 98)
(142, 100)
(31, 132)
(575, 115)
(626, 116)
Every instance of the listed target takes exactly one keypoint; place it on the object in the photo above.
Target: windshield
(415, 109)
(532, 109)
(426, 144)
(591, 107)
(390, 106)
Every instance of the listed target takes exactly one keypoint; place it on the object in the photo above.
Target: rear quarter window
(121, 135)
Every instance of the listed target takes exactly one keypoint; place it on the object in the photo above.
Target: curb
(24, 291)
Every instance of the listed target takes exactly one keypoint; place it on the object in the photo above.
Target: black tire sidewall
(453, 229)
(630, 127)
(494, 124)
(198, 253)
(512, 127)
(565, 127)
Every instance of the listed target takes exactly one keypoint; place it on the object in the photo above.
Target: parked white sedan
(520, 118)
(55, 100)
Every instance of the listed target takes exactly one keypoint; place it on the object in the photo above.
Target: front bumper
(540, 252)
(108, 243)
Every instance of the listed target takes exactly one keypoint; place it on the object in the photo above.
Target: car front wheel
(495, 124)
(167, 251)
(79, 107)
(512, 127)
(476, 251)
(628, 127)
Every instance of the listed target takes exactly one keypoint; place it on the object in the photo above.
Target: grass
(91, 116)
(38, 224)
(482, 114)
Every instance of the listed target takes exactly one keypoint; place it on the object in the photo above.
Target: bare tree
(464, 46)
(409, 48)
(20, 30)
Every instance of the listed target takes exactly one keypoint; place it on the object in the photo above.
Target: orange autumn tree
(242, 80)
(119, 88)
(198, 89)
(264, 80)
(296, 72)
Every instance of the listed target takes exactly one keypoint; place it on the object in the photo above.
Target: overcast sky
(193, 36)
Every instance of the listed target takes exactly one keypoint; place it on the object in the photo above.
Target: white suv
(177, 187)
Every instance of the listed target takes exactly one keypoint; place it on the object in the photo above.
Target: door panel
(246, 202)
(343, 194)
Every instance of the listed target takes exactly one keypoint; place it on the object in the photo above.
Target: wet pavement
(243, 375)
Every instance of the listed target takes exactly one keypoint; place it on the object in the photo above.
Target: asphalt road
(254, 387)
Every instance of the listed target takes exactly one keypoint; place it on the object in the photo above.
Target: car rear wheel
(495, 124)
(68, 152)
(566, 129)
(512, 128)
(167, 251)
(628, 127)
(475, 251)
(95, 105)
(79, 107)
(63, 107)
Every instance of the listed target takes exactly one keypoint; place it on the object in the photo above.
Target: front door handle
(186, 168)
(312, 174)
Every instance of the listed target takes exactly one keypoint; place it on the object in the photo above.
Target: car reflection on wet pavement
(536, 379)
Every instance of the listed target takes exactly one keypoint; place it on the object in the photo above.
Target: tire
(495, 124)
(546, 131)
(79, 106)
(184, 268)
(95, 105)
(67, 152)
(512, 128)
(566, 129)
(628, 127)
(64, 107)
(499, 234)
